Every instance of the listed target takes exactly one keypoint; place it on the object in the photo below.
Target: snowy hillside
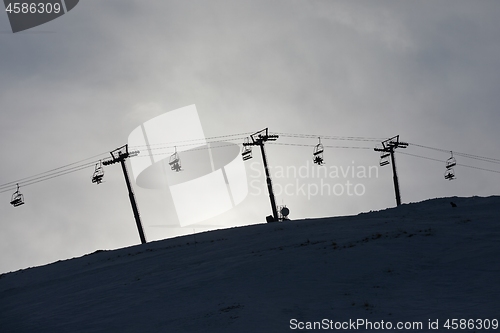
(419, 262)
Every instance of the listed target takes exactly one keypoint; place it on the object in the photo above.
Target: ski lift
(17, 198)
(449, 174)
(98, 173)
(318, 153)
(384, 158)
(246, 150)
(175, 161)
(451, 162)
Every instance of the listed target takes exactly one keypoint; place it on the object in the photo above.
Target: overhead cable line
(476, 157)
(193, 149)
(62, 173)
(330, 137)
(154, 150)
(464, 165)
(173, 145)
(77, 166)
(237, 137)
(313, 145)
(50, 172)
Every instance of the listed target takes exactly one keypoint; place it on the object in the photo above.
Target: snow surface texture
(420, 261)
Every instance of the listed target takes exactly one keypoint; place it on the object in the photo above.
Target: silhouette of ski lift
(384, 158)
(451, 162)
(17, 198)
(98, 173)
(449, 174)
(175, 161)
(246, 150)
(318, 153)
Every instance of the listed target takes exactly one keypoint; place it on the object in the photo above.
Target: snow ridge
(418, 262)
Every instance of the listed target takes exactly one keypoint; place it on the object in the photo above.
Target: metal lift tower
(259, 139)
(388, 147)
(119, 155)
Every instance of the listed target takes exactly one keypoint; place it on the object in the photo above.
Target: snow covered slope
(419, 262)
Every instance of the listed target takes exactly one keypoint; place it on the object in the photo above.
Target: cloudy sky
(74, 89)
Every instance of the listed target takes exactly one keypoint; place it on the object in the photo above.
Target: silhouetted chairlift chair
(17, 198)
(451, 162)
(246, 151)
(175, 161)
(318, 153)
(98, 173)
(449, 174)
(384, 158)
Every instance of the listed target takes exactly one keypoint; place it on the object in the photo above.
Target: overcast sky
(77, 86)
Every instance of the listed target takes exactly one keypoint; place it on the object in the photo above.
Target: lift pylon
(259, 139)
(388, 147)
(119, 155)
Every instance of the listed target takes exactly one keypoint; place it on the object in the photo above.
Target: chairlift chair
(175, 161)
(384, 158)
(318, 153)
(98, 173)
(247, 154)
(17, 198)
(246, 150)
(451, 162)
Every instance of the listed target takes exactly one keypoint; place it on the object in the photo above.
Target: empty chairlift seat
(17, 198)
